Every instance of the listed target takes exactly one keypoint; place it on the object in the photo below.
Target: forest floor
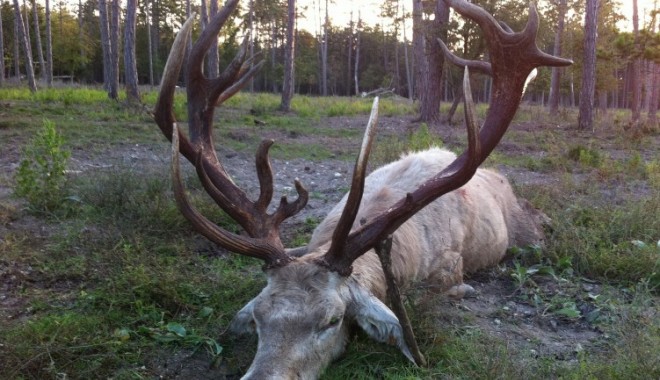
(537, 310)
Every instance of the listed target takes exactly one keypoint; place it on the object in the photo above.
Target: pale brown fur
(463, 231)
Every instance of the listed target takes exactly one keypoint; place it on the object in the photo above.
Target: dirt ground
(497, 308)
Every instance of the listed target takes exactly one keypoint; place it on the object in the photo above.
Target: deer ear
(243, 322)
(377, 320)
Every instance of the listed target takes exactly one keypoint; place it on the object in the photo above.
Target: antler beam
(204, 95)
(513, 57)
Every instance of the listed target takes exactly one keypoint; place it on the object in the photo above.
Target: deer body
(463, 231)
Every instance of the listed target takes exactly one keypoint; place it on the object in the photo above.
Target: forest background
(339, 48)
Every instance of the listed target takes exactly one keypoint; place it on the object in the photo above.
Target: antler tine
(264, 240)
(513, 57)
(257, 248)
(478, 66)
(231, 75)
(337, 258)
(163, 114)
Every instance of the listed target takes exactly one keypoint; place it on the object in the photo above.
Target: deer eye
(333, 322)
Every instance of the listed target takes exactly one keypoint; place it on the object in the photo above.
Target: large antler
(204, 95)
(513, 57)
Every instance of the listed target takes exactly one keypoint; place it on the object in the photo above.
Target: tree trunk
(113, 92)
(2, 52)
(204, 20)
(49, 47)
(17, 62)
(553, 101)
(155, 33)
(349, 67)
(418, 50)
(80, 29)
(429, 105)
(26, 49)
(356, 69)
(636, 77)
(150, 50)
(252, 35)
(324, 54)
(409, 78)
(106, 46)
(130, 64)
(212, 55)
(26, 24)
(454, 105)
(585, 118)
(37, 35)
(289, 55)
(655, 94)
(188, 45)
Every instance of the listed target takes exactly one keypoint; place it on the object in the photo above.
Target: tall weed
(41, 177)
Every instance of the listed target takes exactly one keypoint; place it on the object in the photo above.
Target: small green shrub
(585, 156)
(41, 177)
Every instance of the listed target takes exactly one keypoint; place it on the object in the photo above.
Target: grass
(120, 280)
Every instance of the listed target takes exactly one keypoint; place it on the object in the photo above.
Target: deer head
(303, 315)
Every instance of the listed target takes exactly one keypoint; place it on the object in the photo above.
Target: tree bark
(147, 4)
(324, 54)
(113, 92)
(636, 105)
(555, 79)
(429, 100)
(349, 66)
(2, 53)
(204, 20)
(155, 33)
(37, 35)
(356, 69)
(409, 78)
(655, 94)
(418, 50)
(289, 54)
(49, 46)
(17, 61)
(585, 118)
(106, 46)
(190, 40)
(212, 56)
(252, 36)
(130, 64)
(80, 29)
(26, 49)
(26, 24)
